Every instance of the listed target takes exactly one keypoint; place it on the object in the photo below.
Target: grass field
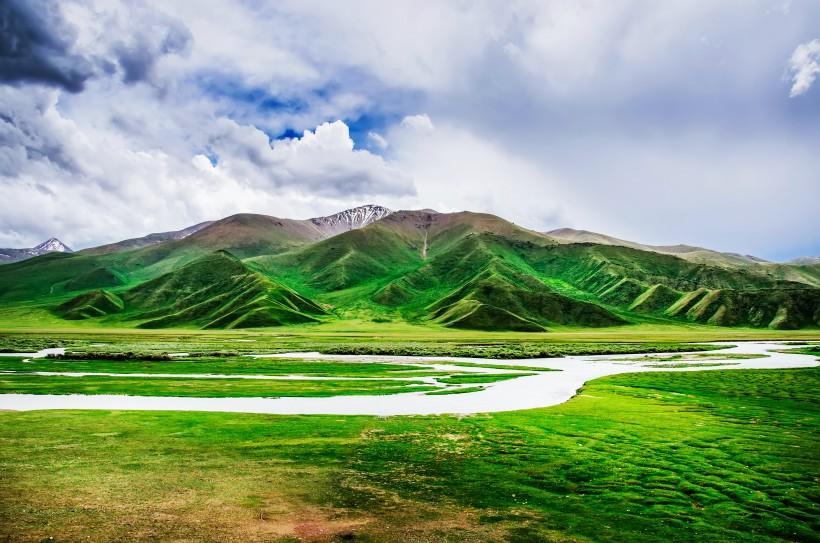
(207, 388)
(355, 337)
(226, 366)
(706, 456)
(699, 456)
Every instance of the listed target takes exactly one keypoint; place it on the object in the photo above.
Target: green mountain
(459, 270)
(805, 269)
(95, 303)
(687, 252)
(214, 291)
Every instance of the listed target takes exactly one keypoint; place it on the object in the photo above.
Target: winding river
(541, 390)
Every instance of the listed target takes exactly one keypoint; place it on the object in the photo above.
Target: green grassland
(203, 388)
(224, 366)
(220, 377)
(701, 456)
(806, 349)
(356, 337)
(470, 378)
(461, 390)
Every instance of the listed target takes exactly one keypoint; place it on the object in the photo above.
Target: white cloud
(804, 65)
(377, 139)
(455, 169)
(56, 180)
(544, 112)
(323, 162)
(402, 43)
(419, 122)
(630, 186)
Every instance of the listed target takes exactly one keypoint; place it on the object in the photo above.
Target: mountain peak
(51, 245)
(351, 219)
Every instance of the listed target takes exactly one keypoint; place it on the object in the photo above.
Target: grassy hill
(48, 275)
(479, 271)
(803, 270)
(214, 291)
(456, 270)
(242, 235)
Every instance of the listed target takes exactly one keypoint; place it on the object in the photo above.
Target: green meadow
(365, 337)
(725, 455)
(703, 456)
(204, 388)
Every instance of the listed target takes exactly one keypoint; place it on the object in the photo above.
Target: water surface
(541, 390)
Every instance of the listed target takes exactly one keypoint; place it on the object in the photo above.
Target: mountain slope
(459, 270)
(772, 308)
(501, 298)
(688, 252)
(443, 268)
(244, 235)
(805, 261)
(97, 303)
(650, 283)
(215, 291)
(477, 270)
(390, 247)
(346, 260)
(51, 245)
(802, 270)
(250, 233)
(39, 277)
(145, 241)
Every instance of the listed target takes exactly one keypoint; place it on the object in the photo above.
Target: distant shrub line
(513, 351)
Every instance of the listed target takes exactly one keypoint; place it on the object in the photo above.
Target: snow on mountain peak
(350, 219)
(51, 245)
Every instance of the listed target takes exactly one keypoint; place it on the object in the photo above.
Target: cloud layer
(662, 123)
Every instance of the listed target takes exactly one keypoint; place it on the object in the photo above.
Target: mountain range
(459, 270)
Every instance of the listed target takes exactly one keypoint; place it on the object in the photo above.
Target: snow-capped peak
(51, 245)
(350, 219)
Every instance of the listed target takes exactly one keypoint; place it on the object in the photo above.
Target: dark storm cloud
(35, 46)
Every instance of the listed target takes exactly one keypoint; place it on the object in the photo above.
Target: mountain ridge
(144, 241)
(690, 252)
(455, 270)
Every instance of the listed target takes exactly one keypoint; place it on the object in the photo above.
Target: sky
(683, 121)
